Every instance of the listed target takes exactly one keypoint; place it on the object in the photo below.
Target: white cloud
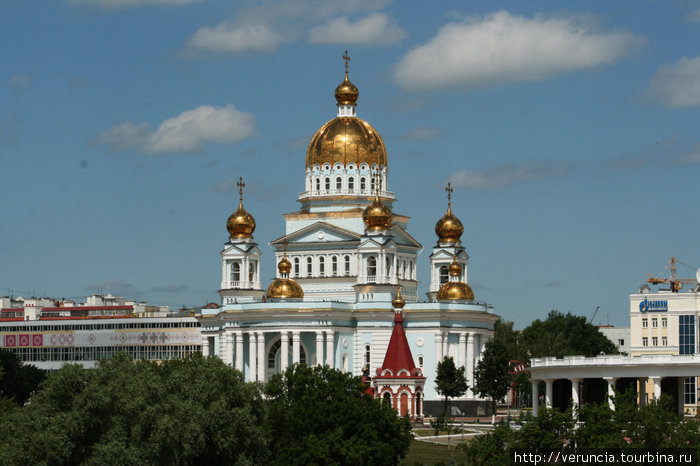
(187, 132)
(265, 27)
(502, 48)
(694, 16)
(423, 133)
(116, 4)
(21, 82)
(502, 176)
(678, 84)
(375, 29)
(232, 38)
(115, 286)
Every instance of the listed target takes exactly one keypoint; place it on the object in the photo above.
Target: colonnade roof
(615, 366)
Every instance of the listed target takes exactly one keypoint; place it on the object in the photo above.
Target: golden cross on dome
(346, 57)
(449, 194)
(240, 185)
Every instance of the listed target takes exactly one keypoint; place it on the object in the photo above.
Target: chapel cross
(240, 185)
(346, 57)
(449, 194)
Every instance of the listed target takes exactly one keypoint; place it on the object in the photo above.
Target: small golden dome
(449, 229)
(285, 288)
(346, 93)
(398, 301)
(377, 216)
(284, 266)
(455, 291)
(455, 269)
(240, 224)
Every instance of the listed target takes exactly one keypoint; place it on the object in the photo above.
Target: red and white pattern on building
(399, 382)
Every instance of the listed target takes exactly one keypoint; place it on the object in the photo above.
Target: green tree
(564, 335)
(491, 377)
(319, 415)
(191, 411)
(450, 381)
(17, 380)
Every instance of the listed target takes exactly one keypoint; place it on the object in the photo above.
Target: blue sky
(571, 131)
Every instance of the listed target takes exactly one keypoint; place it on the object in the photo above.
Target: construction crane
(673, 280)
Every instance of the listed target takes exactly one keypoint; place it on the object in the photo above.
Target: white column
(330, 348)
(225, 277)
(295, 347)
(575, 395)
(244, 272)
(611, 391)
(535, 397)
(319, 348)
(657, 387)
(462, 348)
(252, 357)
(205, 345)
(470, 363)
(229, 348)
(438, 346)
(446, 344)
(548, 396)
(261, 357)
(239, 350)
(284, 348)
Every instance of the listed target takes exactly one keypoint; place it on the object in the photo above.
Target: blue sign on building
(654, 305)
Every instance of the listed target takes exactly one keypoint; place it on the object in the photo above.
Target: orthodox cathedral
(346, 292)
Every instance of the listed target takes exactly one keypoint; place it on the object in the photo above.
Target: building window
(347, 265)
(251, 272)
(689, 391)
(620, 342)
(236, 272)
(664, 341)
(322, 266)
(655, 322)
(328, 184)
(296, 267)
(386, 398)
(363, 184)
(645, 323)
(368, 355)
(420, 362)
(334, 265)
(444, 274)
(686, 334)
(654, 341)
(372, 184)
(318, 185)
(351, 183)
(338, 183)
(664, 322)
(371, 266)
(309, 267)
(388, 267)
(645, 341)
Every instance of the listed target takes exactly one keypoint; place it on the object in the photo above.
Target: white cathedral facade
(341, 261)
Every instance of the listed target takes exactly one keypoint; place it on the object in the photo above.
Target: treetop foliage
(450, 380)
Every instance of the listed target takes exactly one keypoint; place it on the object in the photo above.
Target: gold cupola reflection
(284, 288)
(449, 229)
(346, 139)
(455, 289)
(377, 216)
(240, 224)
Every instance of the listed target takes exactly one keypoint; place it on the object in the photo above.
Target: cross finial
(346, 57)
(449, 190)
(240, 185)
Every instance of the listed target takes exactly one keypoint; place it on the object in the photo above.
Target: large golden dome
(377, 216)
(346, 140)
(449, 229)
(240, 224)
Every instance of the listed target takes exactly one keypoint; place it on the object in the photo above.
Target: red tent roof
(398, 354)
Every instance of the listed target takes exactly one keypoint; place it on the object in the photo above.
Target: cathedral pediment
(448, 253)
(402, 237)
(241, 248)
(319, 232)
